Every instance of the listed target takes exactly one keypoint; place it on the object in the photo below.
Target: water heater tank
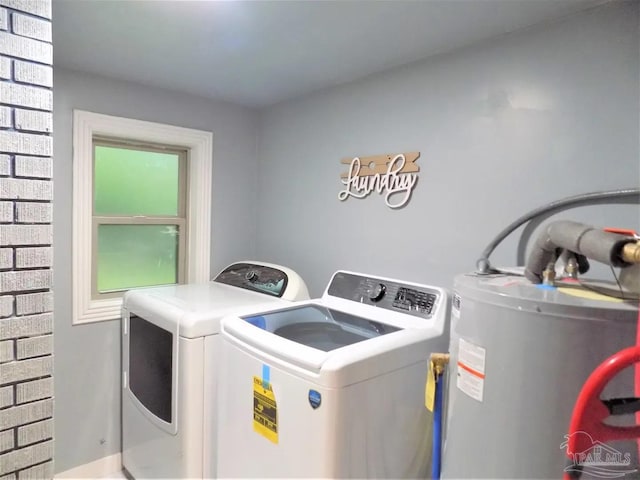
(520, 354)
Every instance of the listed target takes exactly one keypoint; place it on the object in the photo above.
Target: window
(141, 209)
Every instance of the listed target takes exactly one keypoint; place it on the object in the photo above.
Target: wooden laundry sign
(395, 175)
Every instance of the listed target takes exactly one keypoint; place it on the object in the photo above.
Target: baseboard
(103, 467)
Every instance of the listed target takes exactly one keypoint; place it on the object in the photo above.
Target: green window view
(135, 182)
(138, 216)
(136, 256)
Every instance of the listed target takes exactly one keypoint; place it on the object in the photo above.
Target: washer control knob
(377, 292)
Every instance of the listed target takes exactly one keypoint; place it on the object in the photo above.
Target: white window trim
(200, 146)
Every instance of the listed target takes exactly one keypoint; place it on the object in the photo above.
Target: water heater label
(471, 365)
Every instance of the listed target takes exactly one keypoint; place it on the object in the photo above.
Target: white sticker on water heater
(471, 369)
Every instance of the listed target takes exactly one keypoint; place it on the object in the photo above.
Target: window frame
(88, 126)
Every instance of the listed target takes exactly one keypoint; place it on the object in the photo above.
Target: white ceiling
(257, 53)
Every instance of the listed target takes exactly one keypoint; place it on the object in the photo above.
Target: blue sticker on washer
(266, 374)
(258, 321)
(315, 399)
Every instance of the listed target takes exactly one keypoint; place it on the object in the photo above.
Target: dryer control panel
(383, 293)
(259, 278)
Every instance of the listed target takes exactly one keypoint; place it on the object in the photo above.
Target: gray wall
(87, 357)
(503, 127)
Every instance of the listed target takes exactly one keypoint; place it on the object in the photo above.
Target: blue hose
(436, 449)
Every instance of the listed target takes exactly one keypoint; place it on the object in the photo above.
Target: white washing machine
(333, 387)
(170, 346)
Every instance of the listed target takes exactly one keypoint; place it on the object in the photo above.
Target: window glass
(135, 182)
(136, 256)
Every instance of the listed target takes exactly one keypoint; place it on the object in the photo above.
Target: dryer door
(150, 357)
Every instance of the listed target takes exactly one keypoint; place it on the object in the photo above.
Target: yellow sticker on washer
(265, 410)
(430, 387)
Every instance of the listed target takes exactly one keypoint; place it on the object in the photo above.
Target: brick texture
(33, 120)
(44, 470)
(33, 257)
(34, 347)
(6, 396)
(6, 351)
(31, 27)
(23, 414)
(25, 72)
(26, 256)
(27, 326)
(33, 166)
(41, 8)
(35, 432)
(33, 212)
(35, 390)
(19, 189)
(26, 370)
(6, 440)
(24, 457)
(35, 50)
(5, 164)
(6, 119)
(25, 235)
(34, 303)
(6, 306)
(6, 258)
(6, 211)
(5, 67)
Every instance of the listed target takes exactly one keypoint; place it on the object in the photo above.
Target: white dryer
(333, 387)
(170, 347)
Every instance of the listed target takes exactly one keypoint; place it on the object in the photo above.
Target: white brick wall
(31, 27)
(24, 457)
(18, 189)
(44, 470)
(35, 390)
(5, 67)
(26, 303)
(5, 164)
(33, 73)
(6, 258)
(35, 432)
(33, 257)
(6, 211)
(33, 120)
(6, 351)
(33, 212)
(6, 440)
(26, 48)
(34, 347)
(25, 234)
(5, 117)
(33, 166)
(6, 306)
(41, 8)
(6, 396)
(28, 326)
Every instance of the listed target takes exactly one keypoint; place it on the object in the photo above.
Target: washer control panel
(390, 294)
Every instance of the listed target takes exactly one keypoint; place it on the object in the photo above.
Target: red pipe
(637, 377)
(589, 412)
